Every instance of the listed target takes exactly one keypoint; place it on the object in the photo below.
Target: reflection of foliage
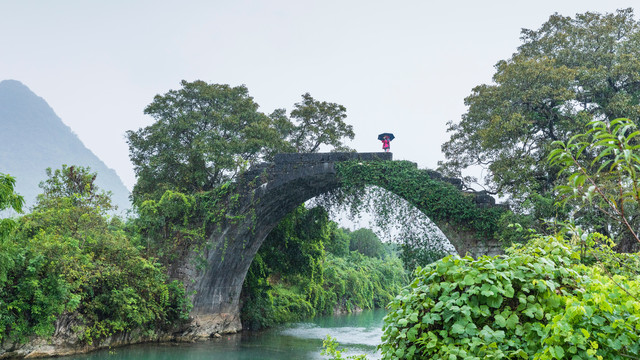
(292, 277)
(542, 300)
(68, 258)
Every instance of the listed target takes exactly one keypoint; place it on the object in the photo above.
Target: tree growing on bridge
(565, 74)
(205, 134)
(317, 123)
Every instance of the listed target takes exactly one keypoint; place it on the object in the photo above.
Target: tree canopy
(8, 197)
(67, 260)
(565, 74)
(205, 134)
(319, 123)
(366, 242)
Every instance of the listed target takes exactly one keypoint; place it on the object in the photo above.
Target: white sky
(398, 66)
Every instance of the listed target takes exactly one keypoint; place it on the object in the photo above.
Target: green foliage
(75, 184)
(565, 74)
(69, 260)
(291, 254)
(168, 228)
(359, 281)
(318, 123)
(330, 348)
(602, 168)
(441, 202)
(292, 278)
(417, 250)
(9, 199)
(366, 242)
(204, 134)
(541, 301)
(438, 200)
(8, 196)
(338, 241)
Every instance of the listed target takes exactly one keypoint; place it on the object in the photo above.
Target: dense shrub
(67, 257)
(538, 302)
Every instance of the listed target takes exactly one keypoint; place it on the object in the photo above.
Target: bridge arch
(270, 191)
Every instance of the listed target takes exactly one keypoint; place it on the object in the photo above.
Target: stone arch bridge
(276, 189)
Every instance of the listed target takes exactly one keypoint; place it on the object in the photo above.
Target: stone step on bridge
(270, 191)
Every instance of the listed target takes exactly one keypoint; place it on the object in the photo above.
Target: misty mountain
(33, 138)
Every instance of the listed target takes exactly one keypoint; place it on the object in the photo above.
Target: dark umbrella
(390, 135)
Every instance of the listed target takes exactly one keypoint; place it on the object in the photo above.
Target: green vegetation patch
(68, 260)
(293, 277)
(540, 301)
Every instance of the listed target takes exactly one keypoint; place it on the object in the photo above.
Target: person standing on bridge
(386, 140)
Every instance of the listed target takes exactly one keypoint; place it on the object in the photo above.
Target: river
(359, 333)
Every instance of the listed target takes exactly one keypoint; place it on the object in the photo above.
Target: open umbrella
(390, 135)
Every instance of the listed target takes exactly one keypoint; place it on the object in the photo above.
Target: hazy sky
(398, 66)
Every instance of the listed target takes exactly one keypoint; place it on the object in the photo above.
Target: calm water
(360, 333)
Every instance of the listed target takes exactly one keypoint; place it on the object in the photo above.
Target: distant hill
(33, 138)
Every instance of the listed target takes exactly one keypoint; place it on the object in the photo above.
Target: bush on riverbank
(543, 300)
(67, 257)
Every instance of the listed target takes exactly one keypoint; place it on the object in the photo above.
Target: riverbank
(66, 342)
(360, 333)
(361, 330)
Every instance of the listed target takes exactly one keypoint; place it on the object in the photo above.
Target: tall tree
(77, 185)
(317, 123)
(204, 134)
(9, 199)
(565, 74)
(366, 242)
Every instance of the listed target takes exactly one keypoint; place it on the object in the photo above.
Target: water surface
(359, 333)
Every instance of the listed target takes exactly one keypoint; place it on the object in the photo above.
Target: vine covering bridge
(270, 191)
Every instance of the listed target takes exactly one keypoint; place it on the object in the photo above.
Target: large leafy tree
(366, 242)
(317, 123)
(568, 72)
(67, 257)
(204, 134)
(9, 199)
